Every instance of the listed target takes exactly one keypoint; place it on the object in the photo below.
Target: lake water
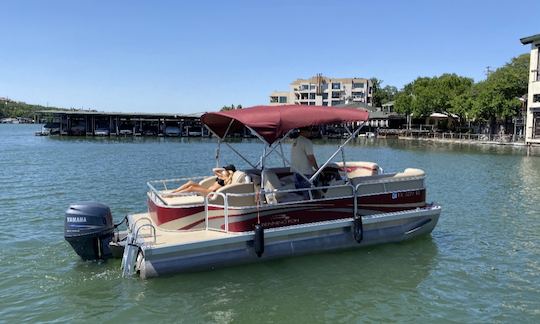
(481, 263)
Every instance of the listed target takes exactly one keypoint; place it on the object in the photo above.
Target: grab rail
(132, 226)
(146, 225)
(225, 205)
(156, 193)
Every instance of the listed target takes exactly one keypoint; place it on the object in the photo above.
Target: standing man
(302, 158)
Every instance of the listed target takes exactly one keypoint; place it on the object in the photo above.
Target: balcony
(336, 94)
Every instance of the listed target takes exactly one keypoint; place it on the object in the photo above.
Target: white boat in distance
(261, 215)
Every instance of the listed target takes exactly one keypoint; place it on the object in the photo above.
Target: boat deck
(172, 237)
(176, 240)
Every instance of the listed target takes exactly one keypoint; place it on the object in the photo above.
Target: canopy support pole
(293, 168)
(343, 151)
(221, 140)
(282, 155)
(336, 152)
(240, 155)
(254, 133)
(272, 148)
(218, 152)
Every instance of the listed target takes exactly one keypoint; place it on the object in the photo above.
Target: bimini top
(273, 122)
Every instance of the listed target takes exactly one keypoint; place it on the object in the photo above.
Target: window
(304, 87)
(312, 87)
(358, 95)
(335, 94)
(536, 97)
(325, 96)
(336, 85)
(311, 96)
(358, 85)
(273, 99)
(538, 64)
(325, 103)
(282, 99)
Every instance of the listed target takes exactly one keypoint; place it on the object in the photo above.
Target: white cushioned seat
(359, 168)
(184, 200)
(410, 172)
(240, 177)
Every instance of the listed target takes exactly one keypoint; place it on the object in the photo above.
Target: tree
(426, 95)
(496, 98)
(382, 95)
(10, 108)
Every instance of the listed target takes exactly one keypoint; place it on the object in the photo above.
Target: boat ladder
(131, 251)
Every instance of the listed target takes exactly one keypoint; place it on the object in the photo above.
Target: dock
(98, 123)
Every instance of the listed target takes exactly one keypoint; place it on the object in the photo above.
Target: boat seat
(410, 172)
(273, 184)
(184, 200)
(359, 168)
(240, 177)
(235, 201)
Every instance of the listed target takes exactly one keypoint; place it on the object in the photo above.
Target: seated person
(302, 157)
(223, 178)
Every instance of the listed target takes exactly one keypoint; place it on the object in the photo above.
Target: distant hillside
(10, 108)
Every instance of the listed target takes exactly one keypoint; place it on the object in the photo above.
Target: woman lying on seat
(223, 178)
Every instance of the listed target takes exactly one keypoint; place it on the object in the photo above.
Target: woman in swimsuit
(223, 178)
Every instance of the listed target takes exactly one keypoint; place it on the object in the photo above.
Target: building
(532, 124)
(323, 91)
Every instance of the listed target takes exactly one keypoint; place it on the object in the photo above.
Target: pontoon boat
(261, 215)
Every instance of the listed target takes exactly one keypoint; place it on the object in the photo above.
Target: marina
(479, 264)
(95, 123)
(263, 162)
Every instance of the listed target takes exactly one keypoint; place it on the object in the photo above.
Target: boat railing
(167, 184)
(257, 198)
(388, 180)
(388, 177)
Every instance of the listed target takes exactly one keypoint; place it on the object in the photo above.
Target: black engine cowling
(88, 228)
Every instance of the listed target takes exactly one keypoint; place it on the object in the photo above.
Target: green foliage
(497, 96)
(494, 98)
(382, 95)
(12, 109)
(426, 95)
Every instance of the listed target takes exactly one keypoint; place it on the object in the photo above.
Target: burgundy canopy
(273, 122)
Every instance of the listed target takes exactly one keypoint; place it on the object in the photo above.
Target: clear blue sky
(174, 56)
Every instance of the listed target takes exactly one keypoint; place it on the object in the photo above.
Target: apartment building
(324, 91)
(532, 125)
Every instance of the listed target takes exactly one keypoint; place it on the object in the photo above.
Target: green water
(481, 263)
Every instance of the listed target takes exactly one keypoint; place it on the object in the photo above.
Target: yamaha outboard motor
(89, 228)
